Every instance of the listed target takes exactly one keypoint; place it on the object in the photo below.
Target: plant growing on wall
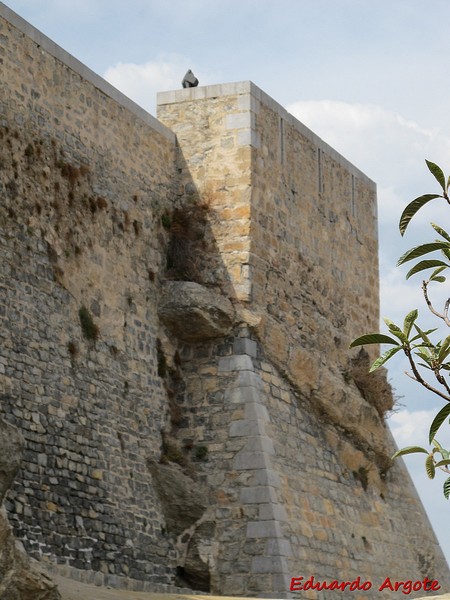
(89, 328)
(427, 351)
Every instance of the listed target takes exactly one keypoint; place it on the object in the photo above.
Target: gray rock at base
(194, 312)
(11, 452)
(183, 500)
(20, 577)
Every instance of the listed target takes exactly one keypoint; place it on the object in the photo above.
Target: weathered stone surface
(183, 500)
(20, 578)
(194, 312)
(199, 560)
(11, 451)
(88, 189)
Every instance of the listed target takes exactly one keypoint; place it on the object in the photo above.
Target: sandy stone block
(240, 120)
(248, 137)
(235, 212)
(276, 340)
(303, 368)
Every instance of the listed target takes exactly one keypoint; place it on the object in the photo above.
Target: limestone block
(239, 362)
(268, 564)
(263, 529)
(194, 312)
(250, 460)
(246, 428)
(245, 346)
(258, 495)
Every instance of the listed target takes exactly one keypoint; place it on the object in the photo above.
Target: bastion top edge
(175, 96)
(85, 72)
(257, 94)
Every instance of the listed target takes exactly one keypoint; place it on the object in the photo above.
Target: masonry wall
(84, 180)
(229, 461)
(293, 494)
(300, 458)
(296, 226)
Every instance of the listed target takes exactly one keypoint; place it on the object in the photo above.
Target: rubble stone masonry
(229, 460)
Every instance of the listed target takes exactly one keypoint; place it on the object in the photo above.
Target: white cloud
(385, 145)
(141, 82)
(410, 428)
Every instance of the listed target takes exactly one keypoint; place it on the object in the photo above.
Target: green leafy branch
(431, 464)
(422, 353)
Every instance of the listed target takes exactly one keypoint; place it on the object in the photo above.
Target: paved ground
(72, 590)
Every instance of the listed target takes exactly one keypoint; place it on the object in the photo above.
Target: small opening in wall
(282, 141)
(353, 197)
(319, 171)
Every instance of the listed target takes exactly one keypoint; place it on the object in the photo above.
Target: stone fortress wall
(177, 300)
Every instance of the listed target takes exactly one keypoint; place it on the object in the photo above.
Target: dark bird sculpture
(189, 80)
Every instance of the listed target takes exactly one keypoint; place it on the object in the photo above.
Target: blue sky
(370, 77)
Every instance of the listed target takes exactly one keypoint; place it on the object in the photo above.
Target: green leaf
(426, 357)
(437, 172)
(441, 231)
(447, 488)
(409, 321)
(421, 250)
(439, 279)
(373, 338)
(424, 335)
(395, 330)
(436, 445)
(437, 271)
(429, 467)
(384, 358)
(412, 208)
(442, 463)
(444, 350)
(426, 264)
(409, 450)
(438, 420)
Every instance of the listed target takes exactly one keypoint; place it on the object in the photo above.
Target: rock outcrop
(194, 312)
(184, 502)
(20, 577)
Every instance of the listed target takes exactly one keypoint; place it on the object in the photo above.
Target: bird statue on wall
(189, 80)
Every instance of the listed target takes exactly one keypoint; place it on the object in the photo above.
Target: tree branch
(418, 377)
(443, 316)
